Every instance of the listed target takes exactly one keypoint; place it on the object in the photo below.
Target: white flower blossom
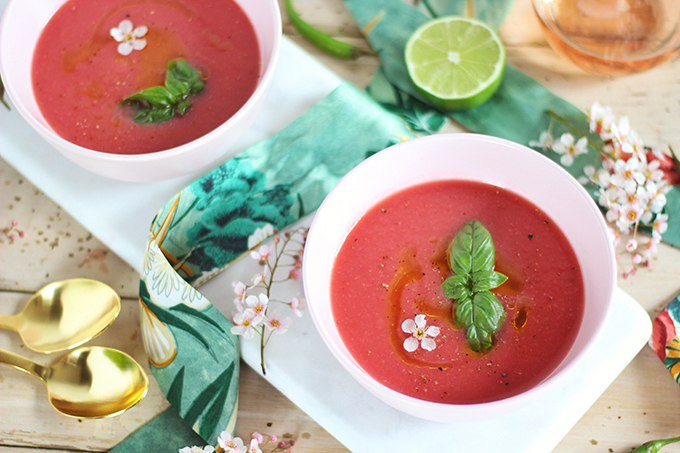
(240, 289)
(244, 323)
(660, 225)
(545, 141)
(569, 148)
(276, 323)
(258, 305)
(296, 306)
(421, 335)
(231, 444)
(261, 254)
(601, 120)
(130, 38)
(254, 447)
(628, 174)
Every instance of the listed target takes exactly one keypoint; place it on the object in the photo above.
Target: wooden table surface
(45, 244)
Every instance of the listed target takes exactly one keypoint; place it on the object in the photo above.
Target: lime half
(456, 62)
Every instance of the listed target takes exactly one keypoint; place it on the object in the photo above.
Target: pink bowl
(470, 157)
(21, 26)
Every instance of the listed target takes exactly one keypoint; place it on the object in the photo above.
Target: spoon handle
(8, 322)
(23, 364)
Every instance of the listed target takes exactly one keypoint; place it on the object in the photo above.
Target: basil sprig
(161, 103)
(471, 257)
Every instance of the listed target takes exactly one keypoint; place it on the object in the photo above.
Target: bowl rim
(267, 69)
(444, 412)
(541, 9)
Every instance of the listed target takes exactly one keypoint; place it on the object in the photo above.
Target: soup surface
(392, 264)
(79, 77)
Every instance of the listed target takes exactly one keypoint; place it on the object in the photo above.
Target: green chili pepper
(2, 96)
(675, 157)
(323, 41)
(653, 446)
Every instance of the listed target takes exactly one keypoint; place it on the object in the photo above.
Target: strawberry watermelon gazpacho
(457, 292)
(141, 76)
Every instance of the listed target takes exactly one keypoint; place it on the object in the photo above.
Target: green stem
(262, 345)
(575, 131)
(653, 446)
(429, 8)
(268, 283)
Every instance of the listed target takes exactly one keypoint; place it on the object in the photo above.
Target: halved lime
(455, 62)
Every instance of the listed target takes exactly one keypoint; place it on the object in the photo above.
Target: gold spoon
(90, 382)
(64, 315)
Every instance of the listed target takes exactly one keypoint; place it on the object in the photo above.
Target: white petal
(567, 139)
(140, 31)
(125, 26)
(117, 34)
(252, 300)
(582, 144)
(125, 48)
(432, 331)
(408, 326)
(138, 44)
(420, 321)
(428, 344)
(410, 344)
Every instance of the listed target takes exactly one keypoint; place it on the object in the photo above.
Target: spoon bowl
(89, 382)
(64, 315)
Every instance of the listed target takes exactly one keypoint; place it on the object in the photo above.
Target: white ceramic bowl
(470, 157)
(21, 26)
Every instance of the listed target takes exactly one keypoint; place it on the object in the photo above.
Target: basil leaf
(161, 115)
(471, 257)
(478, 340)
(177, 88)
(160, 103)
(152, 97)
(183, 72)
(472, 249)
(155, 115)
(482, 315)
(457, 287)
(486, 280)
(183, 106)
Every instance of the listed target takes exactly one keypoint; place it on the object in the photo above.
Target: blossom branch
(254, 315)
(631, 179)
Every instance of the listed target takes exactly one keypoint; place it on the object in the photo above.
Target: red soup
(391, 266)
(80, 77)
